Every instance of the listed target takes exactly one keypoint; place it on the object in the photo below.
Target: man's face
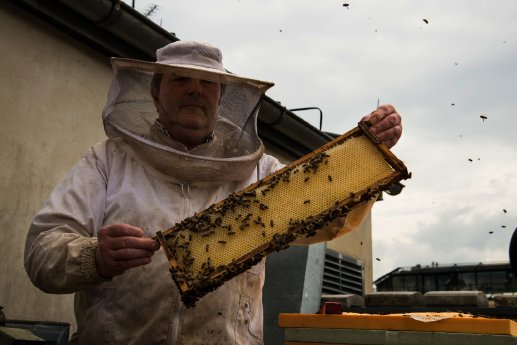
(187, 108)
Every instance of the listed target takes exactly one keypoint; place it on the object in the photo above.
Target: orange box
(402, 329)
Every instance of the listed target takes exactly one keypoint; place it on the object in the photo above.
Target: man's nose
(194, 86)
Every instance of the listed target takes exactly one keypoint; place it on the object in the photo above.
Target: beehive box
(229, 237)
(396, 329)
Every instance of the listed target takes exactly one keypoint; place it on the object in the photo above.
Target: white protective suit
(142, 306)
(141, 177)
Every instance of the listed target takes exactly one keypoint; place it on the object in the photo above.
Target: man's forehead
(207, 77)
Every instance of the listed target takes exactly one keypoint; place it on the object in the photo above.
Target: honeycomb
(229, 237)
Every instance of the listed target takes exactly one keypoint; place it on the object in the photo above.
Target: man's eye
(180, 79)
(207, 82)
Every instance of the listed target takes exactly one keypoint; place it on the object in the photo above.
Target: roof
(444, 268)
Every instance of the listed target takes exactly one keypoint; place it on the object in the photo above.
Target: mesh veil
(130, 115)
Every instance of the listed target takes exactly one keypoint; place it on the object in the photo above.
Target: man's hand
(120, 247)
(386, 124)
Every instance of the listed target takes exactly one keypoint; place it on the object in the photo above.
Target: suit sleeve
(61, 243)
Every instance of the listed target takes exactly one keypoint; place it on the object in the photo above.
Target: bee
(330, 178)
(207, 247)
(271, 223)
(222, 241)
(263, 206)
(306, 179)
(306, 202)
(263, 233)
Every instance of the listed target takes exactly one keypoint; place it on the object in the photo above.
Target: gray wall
(52, 94)
(293, 285)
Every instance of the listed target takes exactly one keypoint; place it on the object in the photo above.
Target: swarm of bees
(206, 249)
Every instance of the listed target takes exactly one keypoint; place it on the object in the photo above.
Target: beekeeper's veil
(130, 114)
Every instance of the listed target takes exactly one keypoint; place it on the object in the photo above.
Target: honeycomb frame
(231, 236)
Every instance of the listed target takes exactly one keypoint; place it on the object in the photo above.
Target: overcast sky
(442, 63)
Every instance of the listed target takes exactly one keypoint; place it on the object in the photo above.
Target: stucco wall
(52, 93)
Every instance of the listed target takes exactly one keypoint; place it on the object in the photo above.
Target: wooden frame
(178, 241)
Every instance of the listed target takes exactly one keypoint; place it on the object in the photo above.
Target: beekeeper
(181, 136)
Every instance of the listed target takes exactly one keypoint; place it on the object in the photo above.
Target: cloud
(344, 59)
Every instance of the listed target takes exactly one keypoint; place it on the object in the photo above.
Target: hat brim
(192, 71)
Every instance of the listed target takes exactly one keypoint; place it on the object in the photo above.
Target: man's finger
(130, 254)
(379, 114)
(120, 230)
(118, 243)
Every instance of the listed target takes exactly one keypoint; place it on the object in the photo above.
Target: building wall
(52, 94)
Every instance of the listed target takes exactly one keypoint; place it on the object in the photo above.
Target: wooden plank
(399, 322)
(385, 337)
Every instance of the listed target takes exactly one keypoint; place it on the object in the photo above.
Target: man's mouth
(193, 105)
